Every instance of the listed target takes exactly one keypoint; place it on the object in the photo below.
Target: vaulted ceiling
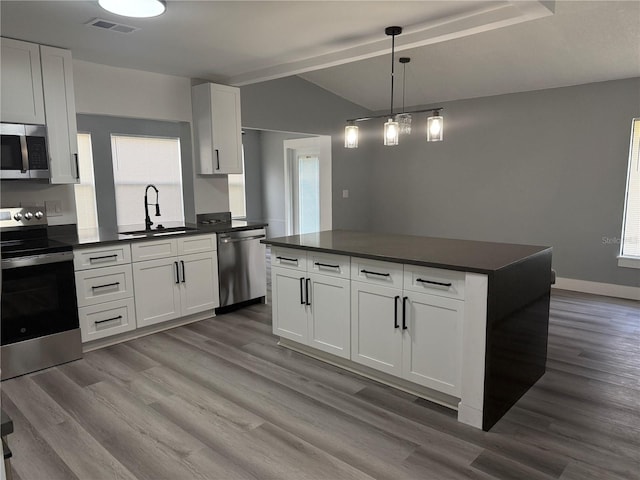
(458, 49)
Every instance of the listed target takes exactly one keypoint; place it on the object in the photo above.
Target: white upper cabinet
(217, 128)
(22, 100)
(60, 109)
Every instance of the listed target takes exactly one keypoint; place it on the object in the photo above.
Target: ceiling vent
(108, 25)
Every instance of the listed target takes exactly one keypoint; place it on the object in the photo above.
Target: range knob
(28, 216)
(39, 215)
(17, 217)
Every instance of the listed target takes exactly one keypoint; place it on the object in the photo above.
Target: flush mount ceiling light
(134, 8)
(400, 123)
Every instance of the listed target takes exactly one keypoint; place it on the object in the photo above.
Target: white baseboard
(597, 288)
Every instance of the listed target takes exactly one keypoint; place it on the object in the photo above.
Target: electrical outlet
(345, 193)
(53, 207)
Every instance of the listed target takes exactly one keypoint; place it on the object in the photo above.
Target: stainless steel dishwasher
(241, 266)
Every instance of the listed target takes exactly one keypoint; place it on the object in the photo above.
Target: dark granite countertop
(452, 254)
(69, 235)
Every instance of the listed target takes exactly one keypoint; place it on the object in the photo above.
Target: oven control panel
(22, 216)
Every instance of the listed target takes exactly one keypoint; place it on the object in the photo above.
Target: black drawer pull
(404, 312)
(301, 294)
(395, 311)
(375, 273)
(105, 285)
(108, 320)
(434, 283)
(326, 265)
(288, 259)
(91, 259)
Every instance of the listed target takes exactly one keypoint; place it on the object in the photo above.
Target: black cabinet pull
(105, 285)
(175, 264)
(404, 312)
(288, 259)
(433, 283)
(301, 294)
(217, 159)
(184, 279)
(75, 155)
(308, 281)
(375, 273)
(395, 311)
(91, 259)
(326, 265)
(108, 320)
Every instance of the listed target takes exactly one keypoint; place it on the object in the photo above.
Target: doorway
(308, 184)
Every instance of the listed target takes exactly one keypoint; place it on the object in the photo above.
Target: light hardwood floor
(218, 399)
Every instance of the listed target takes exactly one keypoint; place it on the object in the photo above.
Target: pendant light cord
(404, 80)
(393, 46)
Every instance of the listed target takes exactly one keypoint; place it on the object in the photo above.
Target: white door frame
(321, 144)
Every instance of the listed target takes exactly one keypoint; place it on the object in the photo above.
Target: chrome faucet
(147, 219)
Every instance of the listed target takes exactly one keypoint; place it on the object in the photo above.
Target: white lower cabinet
(403, 320)
(104, 290)
(106, 319)
(309, 307)
(175, 286)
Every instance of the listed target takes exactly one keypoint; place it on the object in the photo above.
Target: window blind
(631, 225)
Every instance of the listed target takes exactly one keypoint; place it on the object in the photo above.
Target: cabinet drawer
(196, 244)
(101, 285)
(445, 283)
(376, 272)
(105, 319)
(154, 249)
(329, 264)
(85, 258)
(289, 258)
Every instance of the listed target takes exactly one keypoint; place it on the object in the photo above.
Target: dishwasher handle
(241, 239)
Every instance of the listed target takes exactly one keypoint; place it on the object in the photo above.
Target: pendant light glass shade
(134, 8)
(391, 132)
(351, 136)
(404, 120)
(435, 128)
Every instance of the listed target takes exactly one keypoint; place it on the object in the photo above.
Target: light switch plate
(345, 193)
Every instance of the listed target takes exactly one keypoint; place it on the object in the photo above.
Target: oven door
(38, 297)
(14, 156)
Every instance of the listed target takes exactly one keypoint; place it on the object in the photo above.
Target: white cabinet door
(157, 291)
(376, 330)
(199, 282)
(22, 99)
(289, 310)
(217, 128)
(432, 342)
(328, 314)
(60, 109)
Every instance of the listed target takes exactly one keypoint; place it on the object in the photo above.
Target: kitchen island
(461, 323)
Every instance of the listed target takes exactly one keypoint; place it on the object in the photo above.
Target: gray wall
(253, 174)
(295, 105)
(546, 167)
(101, 127)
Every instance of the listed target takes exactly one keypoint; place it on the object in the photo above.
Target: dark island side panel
(517, 332)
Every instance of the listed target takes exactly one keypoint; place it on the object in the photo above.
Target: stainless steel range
(39, 317)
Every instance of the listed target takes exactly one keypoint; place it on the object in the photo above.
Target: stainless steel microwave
(24, 152)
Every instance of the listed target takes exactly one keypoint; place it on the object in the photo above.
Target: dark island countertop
(452, 254)
(69, 235)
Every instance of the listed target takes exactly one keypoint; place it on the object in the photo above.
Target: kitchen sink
(158, 232)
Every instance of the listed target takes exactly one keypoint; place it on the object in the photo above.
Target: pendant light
(134, 8)
(400, 123)
(391, 128)
(404, 119)
(435, 127)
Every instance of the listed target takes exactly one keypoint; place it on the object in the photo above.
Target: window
(630, 245)
(237, 198)
(140, 161)
(85, 191)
